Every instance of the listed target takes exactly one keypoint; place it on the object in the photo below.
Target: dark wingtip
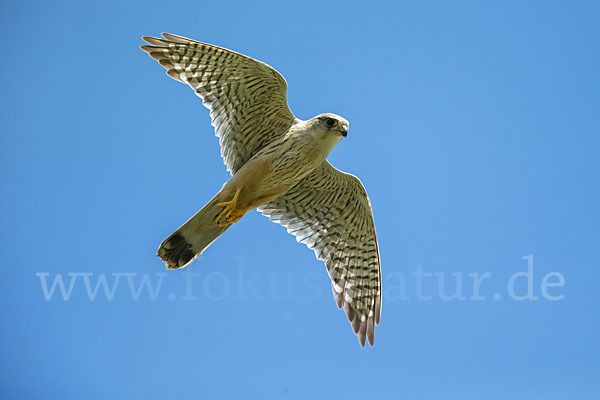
(364, 329)
(176, 38)
(361, 340)
(371, 331)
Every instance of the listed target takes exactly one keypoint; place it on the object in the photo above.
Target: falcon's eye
(330, 122)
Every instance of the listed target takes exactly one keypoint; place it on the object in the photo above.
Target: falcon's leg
(230, 214)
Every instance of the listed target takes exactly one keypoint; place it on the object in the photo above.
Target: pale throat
(328, 142)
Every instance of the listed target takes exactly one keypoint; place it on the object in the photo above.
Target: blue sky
(473, 125)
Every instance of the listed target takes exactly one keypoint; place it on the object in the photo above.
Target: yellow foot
(230, 214)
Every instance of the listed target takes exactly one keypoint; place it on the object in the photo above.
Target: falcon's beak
(344, 132)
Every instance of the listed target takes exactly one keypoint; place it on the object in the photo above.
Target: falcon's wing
(246, 98)
(330, 212)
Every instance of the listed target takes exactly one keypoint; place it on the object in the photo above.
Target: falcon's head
(331, 124)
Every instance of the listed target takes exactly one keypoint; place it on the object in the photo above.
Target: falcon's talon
(230, 214)
(232, 217)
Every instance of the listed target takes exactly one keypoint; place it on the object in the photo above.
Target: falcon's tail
(193, 237)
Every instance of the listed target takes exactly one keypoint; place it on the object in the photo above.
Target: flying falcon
(278, 165)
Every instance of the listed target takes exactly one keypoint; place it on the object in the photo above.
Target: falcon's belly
(271, 173)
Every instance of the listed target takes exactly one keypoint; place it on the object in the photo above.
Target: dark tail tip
(176, 252)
